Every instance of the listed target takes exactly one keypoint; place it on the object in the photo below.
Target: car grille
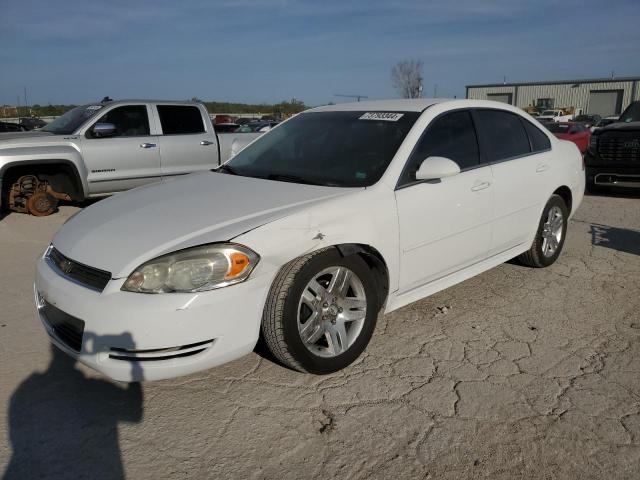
(84, 275)
(619, 147)
(67, 329)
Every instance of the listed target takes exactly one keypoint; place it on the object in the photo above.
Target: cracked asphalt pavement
(516, 373)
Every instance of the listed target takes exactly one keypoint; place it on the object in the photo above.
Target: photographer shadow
(63, 424)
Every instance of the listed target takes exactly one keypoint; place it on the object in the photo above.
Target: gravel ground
(516, 373)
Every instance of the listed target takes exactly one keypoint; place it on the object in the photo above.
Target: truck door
(186, 145)
(125, 159)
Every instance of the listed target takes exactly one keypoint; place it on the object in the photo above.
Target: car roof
(397, 105)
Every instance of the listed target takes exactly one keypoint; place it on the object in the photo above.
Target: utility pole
(18, 106)
(26, 103)
(435, 90)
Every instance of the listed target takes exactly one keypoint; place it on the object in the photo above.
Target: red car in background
(574, 132)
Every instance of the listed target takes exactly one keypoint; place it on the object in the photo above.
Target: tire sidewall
(314, 363)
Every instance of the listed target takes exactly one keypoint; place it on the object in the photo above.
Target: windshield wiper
(226, 169)
(292, 179)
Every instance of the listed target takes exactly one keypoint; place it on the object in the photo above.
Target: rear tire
(341, 313)
(550, 235)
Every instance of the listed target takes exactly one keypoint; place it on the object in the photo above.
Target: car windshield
(558, 127)
(584, 118)
(631, 114)
(342, 149)
(549, 112)
(70, 121)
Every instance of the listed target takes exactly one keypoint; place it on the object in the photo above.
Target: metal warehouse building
(604, 96)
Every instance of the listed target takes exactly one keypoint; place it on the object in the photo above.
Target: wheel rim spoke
(337, 338)
(552, 231)
(329, 321)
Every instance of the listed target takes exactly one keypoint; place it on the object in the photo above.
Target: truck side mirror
(103, 130)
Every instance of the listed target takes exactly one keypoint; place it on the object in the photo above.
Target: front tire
(550, 235)
(320, 312)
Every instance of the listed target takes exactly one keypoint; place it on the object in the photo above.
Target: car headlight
(194, 269)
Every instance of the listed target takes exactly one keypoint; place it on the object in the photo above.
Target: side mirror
(102, 130)
(435, 168)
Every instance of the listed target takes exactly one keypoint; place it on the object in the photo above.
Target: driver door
(444, 225)
(128, 158)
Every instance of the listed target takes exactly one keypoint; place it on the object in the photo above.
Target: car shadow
(63, 424)
(620, 239)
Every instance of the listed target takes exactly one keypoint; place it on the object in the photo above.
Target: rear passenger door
(444, 225)
(519, 155)
(185, 144)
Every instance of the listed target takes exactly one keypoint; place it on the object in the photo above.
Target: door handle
(206, 142)
(480, 186)
(543, 167)
(147, 145)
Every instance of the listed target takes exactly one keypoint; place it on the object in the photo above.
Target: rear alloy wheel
(321, 311)
(550, 236)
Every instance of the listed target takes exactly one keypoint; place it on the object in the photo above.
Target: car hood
(620, 126)
(12, 139)
(119, 233)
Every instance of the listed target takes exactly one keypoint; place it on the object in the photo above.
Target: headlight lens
(194, 269)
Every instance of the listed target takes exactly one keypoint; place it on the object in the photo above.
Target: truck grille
(67, 329)
(619, 147)
(86, 276)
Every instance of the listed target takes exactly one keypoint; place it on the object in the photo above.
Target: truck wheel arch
(62, 174)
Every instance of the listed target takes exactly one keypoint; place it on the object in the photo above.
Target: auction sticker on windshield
(386, 116)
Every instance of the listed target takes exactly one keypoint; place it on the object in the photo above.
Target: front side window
(539, 141)
(502, 133)
(129, 120)
(342, 149)
(452, 136)
(180, 119)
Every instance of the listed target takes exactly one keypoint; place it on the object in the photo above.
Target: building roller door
(500, 97)
(605, 102)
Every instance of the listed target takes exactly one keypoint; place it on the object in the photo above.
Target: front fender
(367, 217)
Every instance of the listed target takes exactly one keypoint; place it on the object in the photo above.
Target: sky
(254, 51)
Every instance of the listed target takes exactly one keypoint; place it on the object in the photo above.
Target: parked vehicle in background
(260, 127)
(605, 121)
(588, 120)
(102, 148)
(305, 236)
(555, 115)
(574, 132)
(226, 127)
(222, 119)
(11, 127)
(613, 157)
(245, 120)
(31, 123)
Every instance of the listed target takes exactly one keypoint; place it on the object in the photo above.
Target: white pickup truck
(102, 148)
(555, 116)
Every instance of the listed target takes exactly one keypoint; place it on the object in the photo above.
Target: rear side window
(180, 119)
(451, 136)
(539, 141)
(503, 135)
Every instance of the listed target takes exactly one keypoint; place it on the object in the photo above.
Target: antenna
(358, 97)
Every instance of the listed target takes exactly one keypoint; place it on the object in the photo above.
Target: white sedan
(305, 236)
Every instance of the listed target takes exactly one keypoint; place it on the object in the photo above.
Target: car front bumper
(133, 336)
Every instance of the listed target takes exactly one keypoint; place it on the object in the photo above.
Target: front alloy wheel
(331, 311)
(321, 311)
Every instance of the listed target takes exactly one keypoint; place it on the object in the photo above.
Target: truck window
(129, 120)
(180, 119)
